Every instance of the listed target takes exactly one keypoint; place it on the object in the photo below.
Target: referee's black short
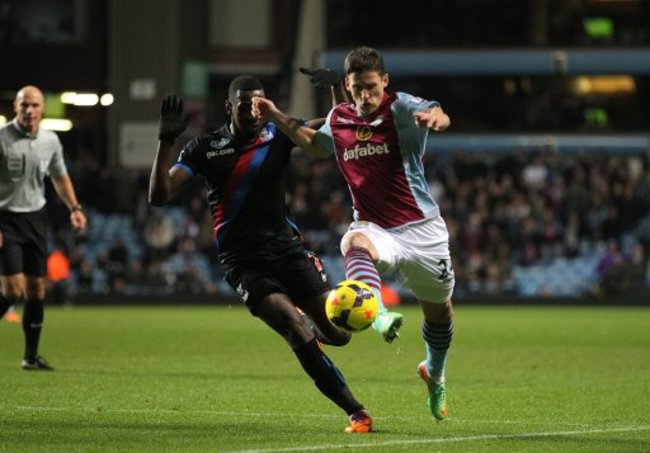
(24, 243)
(299, 274)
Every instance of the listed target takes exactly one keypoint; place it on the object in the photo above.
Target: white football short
(419, 252)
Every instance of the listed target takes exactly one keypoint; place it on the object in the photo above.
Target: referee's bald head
(29, 106)
(29, 91)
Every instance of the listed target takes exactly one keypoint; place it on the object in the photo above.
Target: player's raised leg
(325, 332)
(360, 258)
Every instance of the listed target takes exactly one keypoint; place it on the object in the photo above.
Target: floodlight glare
(106, 99)
(55, 124)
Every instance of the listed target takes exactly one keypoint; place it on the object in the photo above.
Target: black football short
(299, 274)
(24, 243)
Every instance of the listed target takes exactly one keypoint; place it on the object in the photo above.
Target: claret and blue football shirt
(380, 157)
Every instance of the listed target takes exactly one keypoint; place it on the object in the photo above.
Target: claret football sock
(359, 266)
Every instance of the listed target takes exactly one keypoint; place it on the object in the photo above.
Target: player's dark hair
(364, 59)
(243, 83)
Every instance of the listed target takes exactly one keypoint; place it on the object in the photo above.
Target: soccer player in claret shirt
(242, 164)
(378, 141)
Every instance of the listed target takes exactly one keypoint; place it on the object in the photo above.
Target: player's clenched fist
(263, 108)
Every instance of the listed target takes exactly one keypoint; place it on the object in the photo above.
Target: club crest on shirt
(266, 135)
(218, 144)
(363, 133)
(217, 148)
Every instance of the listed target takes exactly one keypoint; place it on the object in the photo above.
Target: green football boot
(437, 399)
(388, 324)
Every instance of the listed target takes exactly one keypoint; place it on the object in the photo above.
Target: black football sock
(32, 324)
(327, 377)
(4, 305)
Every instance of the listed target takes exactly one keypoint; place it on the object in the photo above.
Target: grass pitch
(216, 379)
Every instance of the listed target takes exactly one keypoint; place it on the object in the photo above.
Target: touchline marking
(447, 440)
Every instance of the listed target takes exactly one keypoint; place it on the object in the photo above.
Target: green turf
(216, 379)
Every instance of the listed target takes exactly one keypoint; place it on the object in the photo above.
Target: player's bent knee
(280, 314)
(294, 331)
(297, 332)
(36, 288)
(334, 337)
(15, 289)
(15, 295)
(354, 239)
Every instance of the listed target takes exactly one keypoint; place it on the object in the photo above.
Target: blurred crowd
(509, 210)
(513, 209)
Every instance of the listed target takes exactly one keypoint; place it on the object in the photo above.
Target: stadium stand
(525, 223)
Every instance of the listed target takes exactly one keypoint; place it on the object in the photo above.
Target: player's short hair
(364, 59)
(244, 83)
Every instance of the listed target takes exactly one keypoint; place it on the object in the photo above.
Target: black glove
(322, 78)
(171, 123)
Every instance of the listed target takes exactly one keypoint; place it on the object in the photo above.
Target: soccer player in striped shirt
(242, 164)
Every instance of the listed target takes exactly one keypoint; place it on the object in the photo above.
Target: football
(351, 306)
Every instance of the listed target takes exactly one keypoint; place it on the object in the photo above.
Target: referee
(27, 155)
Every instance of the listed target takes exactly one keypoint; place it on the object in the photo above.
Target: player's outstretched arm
(165, 184)
(434, 118)
(301, 135)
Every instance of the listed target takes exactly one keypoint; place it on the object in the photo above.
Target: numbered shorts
(24, 243)
(419, 252)
(298, 274)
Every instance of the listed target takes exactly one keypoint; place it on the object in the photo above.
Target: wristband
(77, 207)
